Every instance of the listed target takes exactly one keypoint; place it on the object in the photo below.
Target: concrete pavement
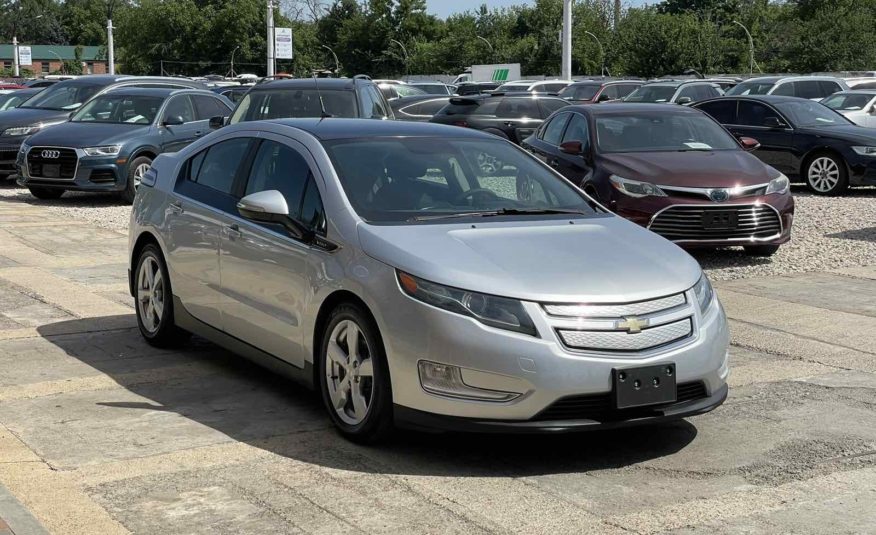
(100, 433)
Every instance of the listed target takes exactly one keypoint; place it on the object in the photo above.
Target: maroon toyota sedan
(673, 170)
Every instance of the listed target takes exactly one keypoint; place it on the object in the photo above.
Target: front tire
(46, 194)
(354, 376)
(154, 300)
(826, 174)
(136, 169)
(761, 250)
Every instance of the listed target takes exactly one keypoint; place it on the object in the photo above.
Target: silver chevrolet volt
(384, 265)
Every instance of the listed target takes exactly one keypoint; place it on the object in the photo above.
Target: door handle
(176, 207)
(555, 164)
(199, 134)
(509, 123)
(233, 231)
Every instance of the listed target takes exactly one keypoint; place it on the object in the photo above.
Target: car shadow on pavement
(861, 234)
(249, 404)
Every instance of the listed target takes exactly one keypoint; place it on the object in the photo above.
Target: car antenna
(325, 114)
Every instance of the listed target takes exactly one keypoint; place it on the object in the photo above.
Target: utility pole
(750, 47)
(232, 59)
(16, 71)
(492, 52)
(567, 39)
(110, 48)
(601, 51)
(270, 70)
(405, 51)
(337, 63)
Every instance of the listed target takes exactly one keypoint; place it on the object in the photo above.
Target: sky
(443, 8)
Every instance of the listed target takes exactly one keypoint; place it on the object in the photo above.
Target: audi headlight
(704, 293)
(779, 185)
(108, 150)
(865, 151)
(634, 188)
(499, 312)
(22, 130)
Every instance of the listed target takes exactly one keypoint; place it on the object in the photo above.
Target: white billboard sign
(24, 56)
(283, 43)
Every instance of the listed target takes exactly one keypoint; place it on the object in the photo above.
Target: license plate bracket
(644, 386)
(720, 219)
(51, 170)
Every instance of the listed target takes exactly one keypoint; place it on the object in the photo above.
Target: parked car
(673, 170)
(434, 88)
(8, 88)
(549, 87)
(308, 97)
(110, 142)
(476, 88)
(373, 261)
(232, 93)
(675, 92)
(864, 86)
(15, 99)
(513, 117)
(859, 106)
(802, 138)
(592, 92)
(392, 91)
(809, 87)
(55, 104)
(418, 108)
(41, 82)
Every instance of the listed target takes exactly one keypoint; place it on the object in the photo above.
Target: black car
(418, 108)
(513, 116)
(434, 88)
(354, 98)
(476, 88)
(232, 93)
(39, 83)
(803, 138)
(55, 104)
(590, 92)
(16, 98)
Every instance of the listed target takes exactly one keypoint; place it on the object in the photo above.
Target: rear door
(518, 117)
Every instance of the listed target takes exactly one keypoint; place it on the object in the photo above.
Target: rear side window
(552, 132)
(206, 107)
(550, 105)
(723, 111)
(517, 108)
(626, 89)
(808, 89)
(828, 88)
(788, 89)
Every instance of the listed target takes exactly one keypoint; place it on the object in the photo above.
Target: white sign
(283, 43)
(24, 56)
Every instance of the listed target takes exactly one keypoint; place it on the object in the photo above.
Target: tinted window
(281, 168)
(751, 88)
(312, 212)
(652, 93)
(626, 89)
(550, 105)
(577, 130)
(827, 87)
(706, 91)
(788, 89)
(207, 107)
(379, 110)
(288, 103)
(430, 107)
(612, 92)
(219, 166)
(753, 113)
(516, 108)
(552, 88)
(661, 131)
(180, 106)
(848, 101)
(808, 89)
(552, 132)
(689, 91)
(723, 111)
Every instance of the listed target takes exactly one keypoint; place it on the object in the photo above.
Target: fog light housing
(446, 380)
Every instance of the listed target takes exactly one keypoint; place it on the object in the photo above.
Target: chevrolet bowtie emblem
(632, 324)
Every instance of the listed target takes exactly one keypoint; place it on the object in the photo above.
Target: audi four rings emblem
(50, 154)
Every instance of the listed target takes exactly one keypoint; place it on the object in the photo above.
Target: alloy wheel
(824, 174)
(150, 294)
(349, 373)
(139, 173)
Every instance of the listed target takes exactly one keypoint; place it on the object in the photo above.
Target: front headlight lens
(499, 312)
(865, 151)
(635, 188)
(704, 293)
(779, 185)
(108, 150)
(22, 130)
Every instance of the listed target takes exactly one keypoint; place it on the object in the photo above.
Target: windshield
(63, 97)
(402, 179)
(408, 91)
(751, 88)
(808, 113)
(661, 132)
(119, 109)
(579, 92)
(848, 101)
(652, 93)
(292, 103)
(432, 89)
(510, 88)
(12, 100)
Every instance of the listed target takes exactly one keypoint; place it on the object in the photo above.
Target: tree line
(198, 36)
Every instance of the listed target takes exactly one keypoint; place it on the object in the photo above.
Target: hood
(694, 169)
(29, 116)
(846, 132)
(598, 259)
(86, 134)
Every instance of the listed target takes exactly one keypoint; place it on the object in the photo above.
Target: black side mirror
(603, 97)
(217, 122)
(773, 122)
(173, 120)
(683, 100)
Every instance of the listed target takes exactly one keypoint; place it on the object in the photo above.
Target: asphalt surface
(100, 433)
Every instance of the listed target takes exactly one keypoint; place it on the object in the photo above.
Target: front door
(266, 273)
(577, 167)
(175, 137)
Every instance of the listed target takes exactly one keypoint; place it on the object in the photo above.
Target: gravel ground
(829, 232)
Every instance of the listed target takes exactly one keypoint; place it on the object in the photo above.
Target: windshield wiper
(497, 213)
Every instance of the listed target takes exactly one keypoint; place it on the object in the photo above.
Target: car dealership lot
(100, 433)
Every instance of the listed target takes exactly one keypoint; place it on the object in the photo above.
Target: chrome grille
(624, 341)
(687, 223)
(62, 167)
(616, 311)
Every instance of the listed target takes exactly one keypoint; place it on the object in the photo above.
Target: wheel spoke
(150, 275)
(158, 308)
(336, 354)
(342, 393)
(352, 340)
(157, 281)
(366, 368)
(360, 405)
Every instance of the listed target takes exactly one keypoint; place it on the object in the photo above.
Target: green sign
(500, 75)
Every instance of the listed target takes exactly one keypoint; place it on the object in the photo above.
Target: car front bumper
(9, 147)
(93, 173)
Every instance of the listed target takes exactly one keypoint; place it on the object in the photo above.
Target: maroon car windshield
(661, 132)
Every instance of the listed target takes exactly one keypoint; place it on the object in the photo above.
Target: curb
(15, 519)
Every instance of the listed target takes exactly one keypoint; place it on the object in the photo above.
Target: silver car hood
(598, 259)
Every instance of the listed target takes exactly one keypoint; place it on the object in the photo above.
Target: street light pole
(601, 51)
(15, 71)
(232, 59)
(110, 47)
(270, 70)
(567, 39)
(405, 50)
(750, 47)
(492, 52)
(337, 63)
(63, 69)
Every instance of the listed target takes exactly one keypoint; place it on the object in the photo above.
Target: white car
(858, 106)
(810, 87)
(533, 86)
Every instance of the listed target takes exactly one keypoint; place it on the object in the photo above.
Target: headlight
(22, 130)
(865, 151)
(634, 188)
(779, 185)
(499, 312)
(109, 150)
(704, 293)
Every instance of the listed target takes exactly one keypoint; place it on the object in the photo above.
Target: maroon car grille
(697, 223)
(56, 163)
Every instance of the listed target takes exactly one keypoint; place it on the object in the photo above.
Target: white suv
(811, 87)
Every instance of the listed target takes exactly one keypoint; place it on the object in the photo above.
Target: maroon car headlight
(635, 188)
(779, 185)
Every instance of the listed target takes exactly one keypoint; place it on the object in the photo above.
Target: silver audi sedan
(383, 265)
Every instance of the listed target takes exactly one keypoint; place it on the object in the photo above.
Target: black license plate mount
(720, 220)
(644, 386)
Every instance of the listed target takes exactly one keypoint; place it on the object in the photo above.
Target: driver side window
(179, 106)
(578, 131)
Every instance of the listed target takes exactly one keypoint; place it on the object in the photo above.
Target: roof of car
(155, 91)
(310, 83)
(623, 108)
(769, 99)
(864, 91)
(327, 129)
(774, 79)
(599, 83)
(678, 83)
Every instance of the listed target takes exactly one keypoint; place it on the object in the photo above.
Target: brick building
(47, 59)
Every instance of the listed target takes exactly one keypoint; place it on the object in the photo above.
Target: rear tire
(154, 300)
(136, 169)
(354, 380)
(46, 193)
(761, 250)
